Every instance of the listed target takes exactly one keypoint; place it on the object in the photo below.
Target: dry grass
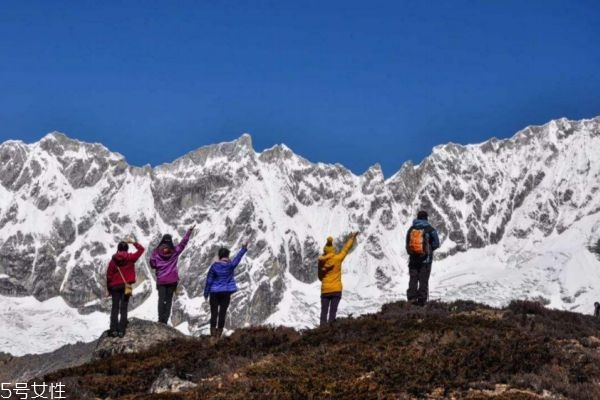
(459, 350)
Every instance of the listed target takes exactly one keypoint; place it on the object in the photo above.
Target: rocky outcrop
(140, 335)
(168, 382)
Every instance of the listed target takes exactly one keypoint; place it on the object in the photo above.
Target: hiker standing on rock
(421, 240)
(330, 274)
(119, 277)
(164, 261)
(220, 284)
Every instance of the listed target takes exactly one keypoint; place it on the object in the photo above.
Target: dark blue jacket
(220, 276)
(434, 242)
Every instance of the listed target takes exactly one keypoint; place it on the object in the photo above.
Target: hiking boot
(113, 333)
(213, 335)
(121, 334)
(218, 333)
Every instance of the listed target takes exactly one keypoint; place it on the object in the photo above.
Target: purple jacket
(165, 264)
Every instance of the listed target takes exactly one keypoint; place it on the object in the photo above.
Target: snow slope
(518, 218)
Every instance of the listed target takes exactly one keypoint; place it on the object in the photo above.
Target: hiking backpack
(418, 241)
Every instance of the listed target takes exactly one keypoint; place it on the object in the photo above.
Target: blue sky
(337, 81)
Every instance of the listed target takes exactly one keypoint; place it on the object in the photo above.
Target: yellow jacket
(332, 264)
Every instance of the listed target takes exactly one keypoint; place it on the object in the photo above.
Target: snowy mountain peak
(374, 172)
(58, 136)
(245, 141)
(516, 217)
(283, 156)
(235, 150)
(58, 143)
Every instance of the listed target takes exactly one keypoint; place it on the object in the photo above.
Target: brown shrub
(459, 349)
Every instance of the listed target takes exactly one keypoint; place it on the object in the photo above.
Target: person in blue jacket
(421, 240)
(220, 284)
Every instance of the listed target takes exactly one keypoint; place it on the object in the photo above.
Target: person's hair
(223, 252)
(422, 215)
(122, 246)
(166, 240)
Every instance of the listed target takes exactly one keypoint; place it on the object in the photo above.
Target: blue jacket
(220, 274)
(434, 242)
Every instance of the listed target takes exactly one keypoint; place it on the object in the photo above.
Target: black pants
(165, 300)
(219, 302)
(120, 303)
(329, 306)
(418, 284)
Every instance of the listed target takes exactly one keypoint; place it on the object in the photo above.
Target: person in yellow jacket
(330, 274)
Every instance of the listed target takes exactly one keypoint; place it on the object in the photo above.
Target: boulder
(167, 381)
(140, 336)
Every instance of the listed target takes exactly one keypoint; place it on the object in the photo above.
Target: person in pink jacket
(164, 262)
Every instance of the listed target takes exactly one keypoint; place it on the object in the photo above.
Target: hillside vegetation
(460, 350)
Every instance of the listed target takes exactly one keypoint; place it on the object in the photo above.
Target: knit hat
(329, 246)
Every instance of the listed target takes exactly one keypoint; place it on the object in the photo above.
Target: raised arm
(184, 241)
(238, 257)
(344, 252)
(139, 251)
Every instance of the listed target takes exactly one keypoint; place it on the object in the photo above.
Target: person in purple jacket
(164, 261)
(220, 284)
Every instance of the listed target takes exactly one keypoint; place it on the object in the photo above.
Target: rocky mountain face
(65, 204)
(22, 369)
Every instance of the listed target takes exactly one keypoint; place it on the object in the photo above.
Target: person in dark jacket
(421, 241)
(121, 270)
(597, 309)
(164, 261)
(220, 284)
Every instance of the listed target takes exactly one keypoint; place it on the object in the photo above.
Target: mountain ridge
(64, 205)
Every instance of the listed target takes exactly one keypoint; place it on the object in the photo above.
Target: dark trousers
(219, 302)
(120, 303)
(329, 306)
(418, 284)
(165, 300)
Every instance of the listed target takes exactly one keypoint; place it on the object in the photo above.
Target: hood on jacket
(328, 250)
(420, 223)
(120, 258)
(326, 256)
(165, 251)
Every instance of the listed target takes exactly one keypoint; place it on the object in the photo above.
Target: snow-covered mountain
(517, 218)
